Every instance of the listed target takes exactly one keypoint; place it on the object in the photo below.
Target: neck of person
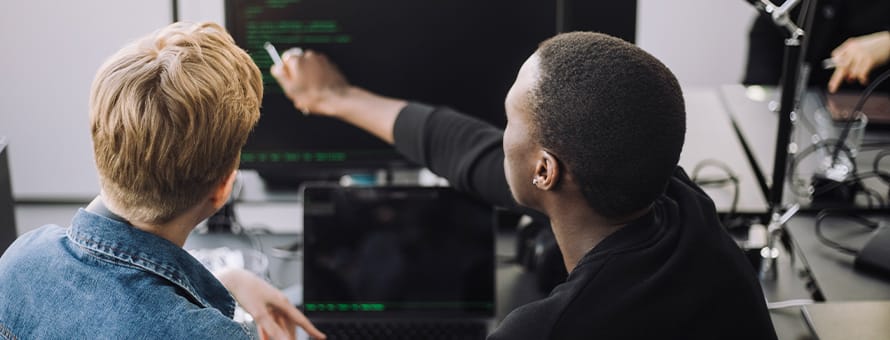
(176, 230)
(578, 229)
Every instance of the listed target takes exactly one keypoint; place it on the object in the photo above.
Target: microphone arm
(789, 85)
(780, 15)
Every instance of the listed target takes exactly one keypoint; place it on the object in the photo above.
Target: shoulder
(537, 320)
(32, 247)
(42, 235)
(201, 323)
(172, 320)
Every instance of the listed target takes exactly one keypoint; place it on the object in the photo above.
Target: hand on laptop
(275, 316)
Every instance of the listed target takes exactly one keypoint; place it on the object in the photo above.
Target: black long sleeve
(673, 273)
(464, 150)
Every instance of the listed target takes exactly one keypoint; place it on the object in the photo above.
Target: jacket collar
(119, 240)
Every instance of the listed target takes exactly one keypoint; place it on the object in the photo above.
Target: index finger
(294, 315)
(836, 78)
(268, 324)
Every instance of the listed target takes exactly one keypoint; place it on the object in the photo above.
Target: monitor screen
(8, 231)
(461, 53)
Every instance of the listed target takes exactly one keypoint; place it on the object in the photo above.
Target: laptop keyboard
(403, 330)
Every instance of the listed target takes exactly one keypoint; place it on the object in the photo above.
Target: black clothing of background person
(834, 22)
(673, 273)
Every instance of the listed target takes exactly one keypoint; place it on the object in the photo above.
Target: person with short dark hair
(595, 127)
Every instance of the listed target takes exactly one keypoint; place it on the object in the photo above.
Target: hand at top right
(857, 56)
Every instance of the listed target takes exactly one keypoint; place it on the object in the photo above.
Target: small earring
(535, 181)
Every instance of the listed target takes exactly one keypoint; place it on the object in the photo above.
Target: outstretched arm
(465, 150)
(315, 86)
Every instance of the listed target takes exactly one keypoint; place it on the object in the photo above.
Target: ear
(548, 171)
(220, 194)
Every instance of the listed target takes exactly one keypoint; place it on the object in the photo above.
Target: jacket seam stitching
(6, 332)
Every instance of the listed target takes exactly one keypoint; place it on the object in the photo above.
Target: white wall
(52, 49)
(704, 42)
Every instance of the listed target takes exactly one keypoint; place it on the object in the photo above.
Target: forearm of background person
(364, 109)
(857, 57)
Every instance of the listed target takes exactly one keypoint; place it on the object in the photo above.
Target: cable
(856, 110)
(730, 178)
(808, 151)
(884, 175)
(870, 193)
(788, 303)
(824, 214)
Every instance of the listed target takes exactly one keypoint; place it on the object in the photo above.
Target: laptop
(398, 262)
(876, 107)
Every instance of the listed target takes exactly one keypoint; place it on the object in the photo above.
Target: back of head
(615, 116)
(169, 114)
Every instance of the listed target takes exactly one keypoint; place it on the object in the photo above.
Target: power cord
(730, 178)
(846, 188)
(789, 303)
(824, 214)
(853, 181)
(856, 110)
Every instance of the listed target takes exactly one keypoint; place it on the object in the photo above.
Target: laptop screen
(383, 250)
(841, 104)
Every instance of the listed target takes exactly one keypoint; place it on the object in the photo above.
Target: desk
(710, 136)
(515, 286)
(832, 270)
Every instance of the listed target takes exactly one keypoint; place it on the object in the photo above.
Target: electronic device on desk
(460, 53)
(874, 256)
(395, 259)
(8, 231)
(877, 108)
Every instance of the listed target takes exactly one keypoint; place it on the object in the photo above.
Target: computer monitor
(8, 231)
(461, 53)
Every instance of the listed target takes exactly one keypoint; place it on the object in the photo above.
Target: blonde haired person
(169, 114)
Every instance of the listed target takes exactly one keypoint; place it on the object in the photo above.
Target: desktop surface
(864, 320)
(834, 271)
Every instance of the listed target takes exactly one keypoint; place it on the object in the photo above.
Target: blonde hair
(169, 114)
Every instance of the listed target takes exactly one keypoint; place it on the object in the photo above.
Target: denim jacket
(104, 279)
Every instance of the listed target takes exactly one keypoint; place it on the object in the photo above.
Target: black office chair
(8, 231)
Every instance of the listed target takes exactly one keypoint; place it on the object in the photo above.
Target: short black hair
(613, 114)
